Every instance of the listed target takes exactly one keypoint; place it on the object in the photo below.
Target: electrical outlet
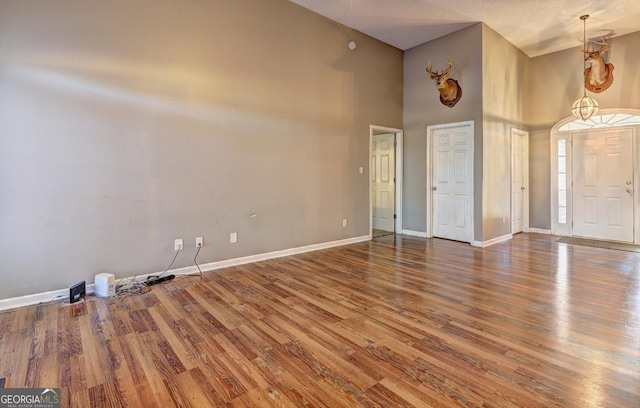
(178, 244)
(233, 237)
(344, 223)
(199, 242)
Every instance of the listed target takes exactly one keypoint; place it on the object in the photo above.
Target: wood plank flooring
(394, 322)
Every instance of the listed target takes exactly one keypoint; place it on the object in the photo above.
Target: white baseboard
(44, 297)
(276, 254)
(62, 294)
(540, 231)
(419, 234)
(493, 241)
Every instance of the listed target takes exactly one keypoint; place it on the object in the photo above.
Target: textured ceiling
(536, 27)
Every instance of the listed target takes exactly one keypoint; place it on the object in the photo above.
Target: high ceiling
(536, 27)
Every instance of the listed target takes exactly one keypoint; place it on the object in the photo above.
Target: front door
(603, 184)
(452, 187)
(383, 181)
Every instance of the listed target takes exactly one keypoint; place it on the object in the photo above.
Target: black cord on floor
(196, 262)
(153, 277)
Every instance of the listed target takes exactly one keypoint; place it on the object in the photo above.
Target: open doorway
(385, 191)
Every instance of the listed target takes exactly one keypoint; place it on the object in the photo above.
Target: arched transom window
(602, 121)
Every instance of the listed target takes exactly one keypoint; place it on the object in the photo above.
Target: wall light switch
(233, 237)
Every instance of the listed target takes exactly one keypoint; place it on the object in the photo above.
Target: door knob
(630, 191)
(434, 188)
(522, 188)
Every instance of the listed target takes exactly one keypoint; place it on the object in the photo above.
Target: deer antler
(605, 46)
(602, 50)
(445, 72)
(432, 74)
(440, 75)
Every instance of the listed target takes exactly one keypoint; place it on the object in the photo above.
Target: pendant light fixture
(584, 107)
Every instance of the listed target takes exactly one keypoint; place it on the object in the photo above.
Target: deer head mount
(599, 76)
(450, 91)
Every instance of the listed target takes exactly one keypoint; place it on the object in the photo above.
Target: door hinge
(395, 216)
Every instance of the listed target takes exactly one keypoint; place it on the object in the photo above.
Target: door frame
(515, 132)
(429, 195)
(398, 170)
(563, 130)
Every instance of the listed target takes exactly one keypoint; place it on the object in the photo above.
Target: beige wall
(492, 74)
(510, 91)
(125, 125)
(422, 108)
(555, 82)
(504, 71)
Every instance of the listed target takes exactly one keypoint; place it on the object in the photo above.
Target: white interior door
(519, 180)
(603, 184)
(452, 184)
(382, 181)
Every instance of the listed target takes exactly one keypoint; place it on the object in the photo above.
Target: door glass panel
(562, 181)
(562, 215)
(562, 147)
(562, 198)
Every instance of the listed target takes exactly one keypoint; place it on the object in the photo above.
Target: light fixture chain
(584, 107)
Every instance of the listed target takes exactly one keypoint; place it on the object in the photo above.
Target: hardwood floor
(397, 321)
(376, 233)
